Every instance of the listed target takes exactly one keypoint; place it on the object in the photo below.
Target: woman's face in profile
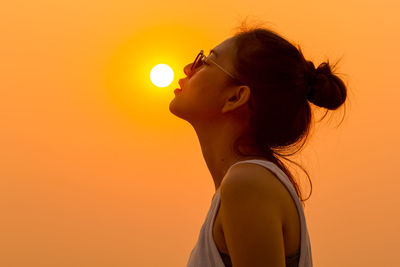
(202, 96)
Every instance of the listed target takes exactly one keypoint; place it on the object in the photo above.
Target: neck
(217, 148)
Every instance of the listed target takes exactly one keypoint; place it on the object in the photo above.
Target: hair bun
(325, 89)
(324, 68)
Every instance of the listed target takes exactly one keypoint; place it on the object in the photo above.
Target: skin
(253, 201)
(219, 113)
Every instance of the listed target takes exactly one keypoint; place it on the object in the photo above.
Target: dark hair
(281, 81)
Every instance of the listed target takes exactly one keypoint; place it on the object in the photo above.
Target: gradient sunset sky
(96, 171)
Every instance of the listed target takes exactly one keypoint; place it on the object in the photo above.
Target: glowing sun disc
(161, 75)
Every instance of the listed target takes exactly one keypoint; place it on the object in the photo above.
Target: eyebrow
(213, 51)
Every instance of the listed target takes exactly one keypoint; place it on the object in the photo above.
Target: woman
(248, 100)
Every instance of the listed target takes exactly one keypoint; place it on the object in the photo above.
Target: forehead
(225, 50)
(226, 47)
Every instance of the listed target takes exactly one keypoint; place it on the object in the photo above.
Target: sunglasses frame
(200, 56)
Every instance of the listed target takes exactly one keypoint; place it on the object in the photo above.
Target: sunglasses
(201, 60)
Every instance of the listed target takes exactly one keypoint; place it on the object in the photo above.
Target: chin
(178, 110)
(173, 108)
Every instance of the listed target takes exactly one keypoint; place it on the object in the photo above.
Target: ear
(237, 98)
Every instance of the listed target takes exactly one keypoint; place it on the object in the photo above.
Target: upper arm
(251, 219)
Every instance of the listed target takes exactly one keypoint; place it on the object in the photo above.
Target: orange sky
(95, 170)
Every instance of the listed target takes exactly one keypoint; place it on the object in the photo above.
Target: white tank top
(205, 252)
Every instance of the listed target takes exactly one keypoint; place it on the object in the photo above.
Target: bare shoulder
(255, 177)
(249, 180)
(252, 216)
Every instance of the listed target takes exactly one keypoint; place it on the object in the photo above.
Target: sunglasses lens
(197, 62)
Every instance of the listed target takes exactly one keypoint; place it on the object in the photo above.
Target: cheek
(204, 89)
(203, 99)
(206, 83)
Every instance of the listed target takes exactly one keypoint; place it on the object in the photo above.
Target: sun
(161, 75)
